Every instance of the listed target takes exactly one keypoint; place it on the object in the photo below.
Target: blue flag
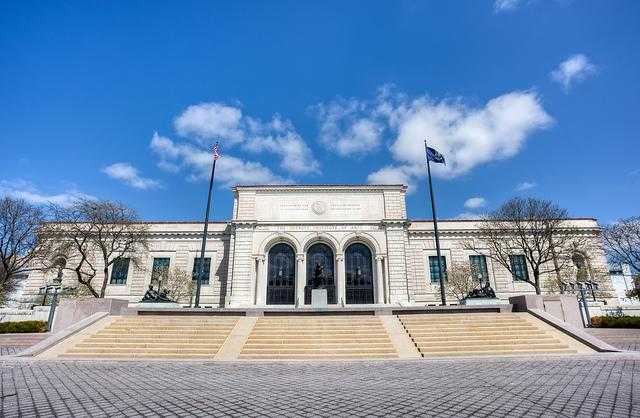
(435, 156)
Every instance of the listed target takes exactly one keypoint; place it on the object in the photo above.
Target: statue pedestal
(318, 298)
(481, 301)
(159, 304)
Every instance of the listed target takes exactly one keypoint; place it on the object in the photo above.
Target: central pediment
(316, 203)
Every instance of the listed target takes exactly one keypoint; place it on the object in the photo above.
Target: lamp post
(55, 289)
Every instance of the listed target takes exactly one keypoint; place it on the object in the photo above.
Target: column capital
(379, 257)
(260, 258)
(300, 257)
(340, 257)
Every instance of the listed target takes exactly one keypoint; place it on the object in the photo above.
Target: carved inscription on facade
(321, 207)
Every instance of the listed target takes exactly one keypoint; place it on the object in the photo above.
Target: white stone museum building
(357, 238)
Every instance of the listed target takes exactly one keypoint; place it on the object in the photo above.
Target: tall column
(380, 289)
(261, 282)
(340, 280)
(301, 279)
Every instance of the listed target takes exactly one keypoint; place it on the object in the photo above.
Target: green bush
(23, 326)
(615, 321)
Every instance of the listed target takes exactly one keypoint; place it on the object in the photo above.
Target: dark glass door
(359, 274)
(281, 276)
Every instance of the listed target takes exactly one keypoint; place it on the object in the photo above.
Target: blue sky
(119, 100)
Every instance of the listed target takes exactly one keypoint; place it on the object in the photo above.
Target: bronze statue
(318, 277)
(155, 296)
(484, 291)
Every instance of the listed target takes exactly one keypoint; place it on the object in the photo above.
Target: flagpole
(435, 228)
(206, 229)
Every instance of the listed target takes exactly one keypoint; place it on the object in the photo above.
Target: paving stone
(596, 385)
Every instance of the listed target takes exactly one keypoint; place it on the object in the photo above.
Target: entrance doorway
(320, 272)
(359, 274)
(281, 275)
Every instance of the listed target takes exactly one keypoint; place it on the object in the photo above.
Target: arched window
(281, 275)
(359, 274)
(320, 272)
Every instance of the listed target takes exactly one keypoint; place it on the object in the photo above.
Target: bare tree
(93, 235)
(177, 282)
(536, 229)
(622, 242)
(22, 246)
(460, 280)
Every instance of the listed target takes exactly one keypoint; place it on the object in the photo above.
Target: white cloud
(346, 129)
(394, 175)
(475, 202)
(525, 185)
(280, 137)
(506, 5)
(467, 136)
(196, 161)
(574, 69)
(128, 174)
(210, 122)
(468, 216)
(21, 189)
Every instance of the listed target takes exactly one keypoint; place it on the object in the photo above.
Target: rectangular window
(433, 268)
(519, 267)
(479, 267)
(196, 269)
(160, 269)
(119, 271)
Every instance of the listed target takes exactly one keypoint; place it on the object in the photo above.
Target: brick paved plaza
(596, 385)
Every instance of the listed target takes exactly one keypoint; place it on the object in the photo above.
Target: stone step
(488, 334)
(159, 338)
(467, 324)
(460, 318)
(325, 356)
(320, 321)
(318, 345)
(175, 345)
(314, 332)
(317, 327)
(289, 350)
(498, 352)
(142, 332)
(146, 350)
(476, 337)
(137, 355)
(154, 337)
(473, 328)
(173, 326)
(457, 345)
(160, 329)
(321, 340)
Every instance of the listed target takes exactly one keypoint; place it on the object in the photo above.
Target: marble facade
(389, 266)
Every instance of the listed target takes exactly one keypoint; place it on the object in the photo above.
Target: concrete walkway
(579, 385)
(622, 338)
(14, 343)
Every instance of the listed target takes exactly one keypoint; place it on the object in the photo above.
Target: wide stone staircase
(477, 334)
(154, 336)
(318, 337)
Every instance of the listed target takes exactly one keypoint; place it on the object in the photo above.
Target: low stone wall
(563, 307)
(71, 311)
(38, 313)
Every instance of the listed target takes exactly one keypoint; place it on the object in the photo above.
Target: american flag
(216, 151)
